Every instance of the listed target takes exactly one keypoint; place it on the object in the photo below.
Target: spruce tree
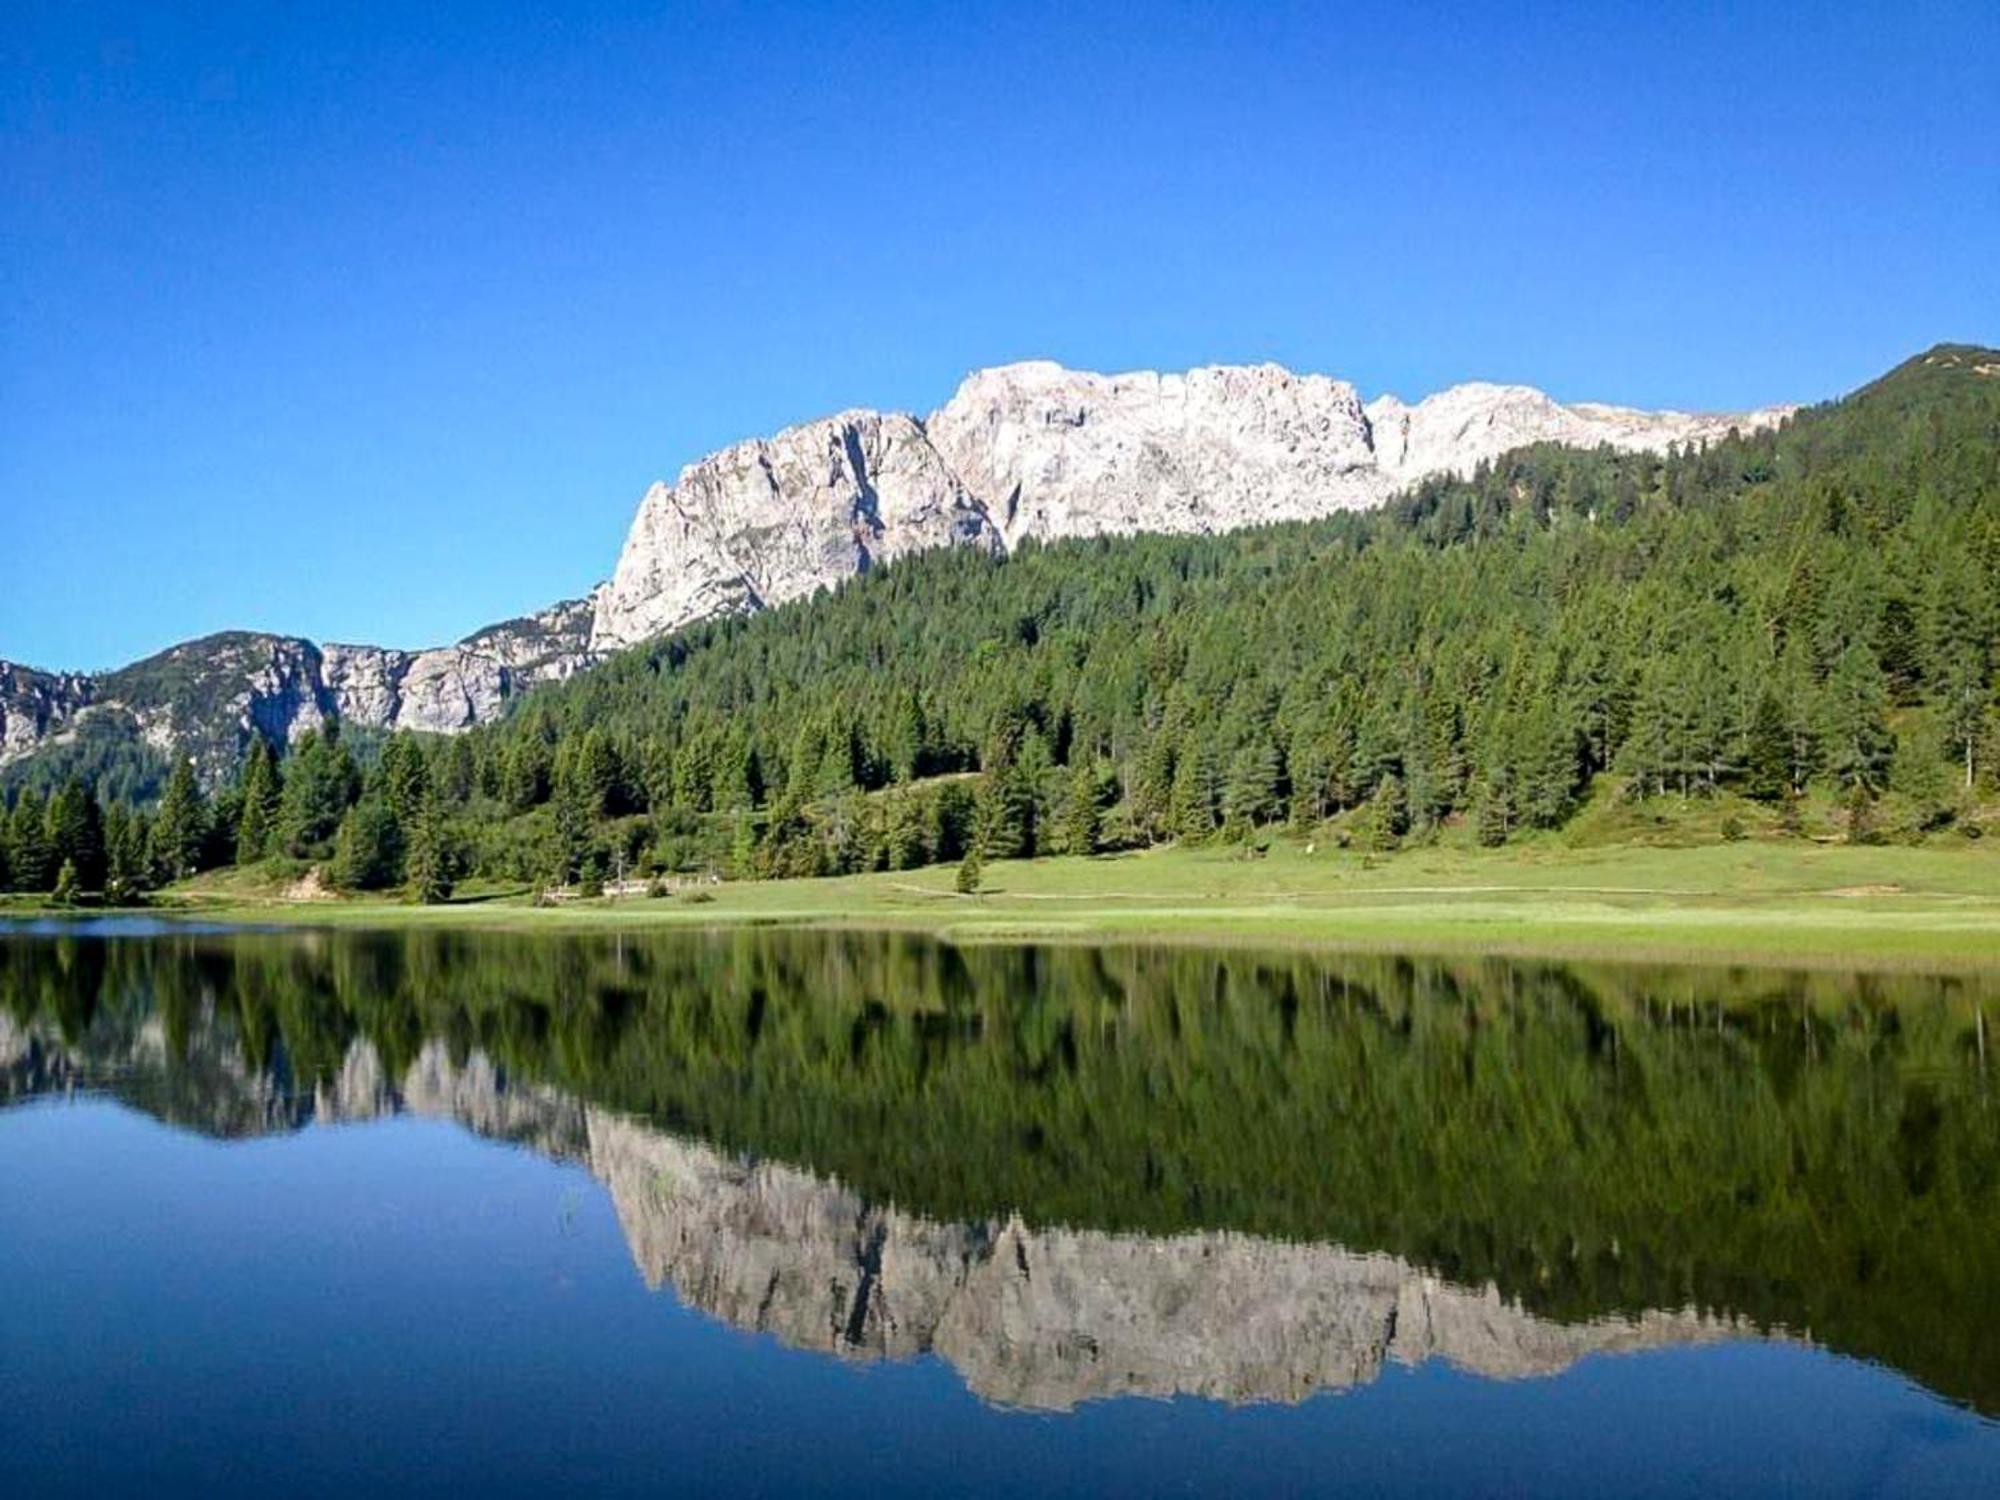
(1767, 751)
(368, 848)
(1386, 818)
(1252, 796)
(321, 782)
(181, 826)
(263, 791)
(970, 871)
(28, 840)
(428, 861)
(1857, 740)
(76, 833)
(1195, 796)
(1082, 811)
(405, 776)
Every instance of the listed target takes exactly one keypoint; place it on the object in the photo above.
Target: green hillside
(1784, 634)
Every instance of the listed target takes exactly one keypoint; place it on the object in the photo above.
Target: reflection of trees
(1814, 1152)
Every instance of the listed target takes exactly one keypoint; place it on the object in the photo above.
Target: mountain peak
(1035, 450)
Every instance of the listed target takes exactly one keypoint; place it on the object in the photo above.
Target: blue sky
(373, 322)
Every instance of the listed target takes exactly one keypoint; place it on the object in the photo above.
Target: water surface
(762, 1210)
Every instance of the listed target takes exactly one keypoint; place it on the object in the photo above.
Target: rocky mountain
(204, 698)
(1025, 452)
(773, 519)
(1037, 1317)
(1038, 452)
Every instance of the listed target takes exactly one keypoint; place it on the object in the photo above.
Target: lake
(764, 1210)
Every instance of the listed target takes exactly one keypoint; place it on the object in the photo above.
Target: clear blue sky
(374, 321)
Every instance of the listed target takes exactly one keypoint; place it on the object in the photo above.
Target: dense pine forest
(1802, 619)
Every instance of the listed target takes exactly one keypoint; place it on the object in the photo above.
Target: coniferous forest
(1803, 617)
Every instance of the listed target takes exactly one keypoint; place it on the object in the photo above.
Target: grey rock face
(205, 698)
(1036, 451)
(34, 705)
(773, 519)
(1023, 452)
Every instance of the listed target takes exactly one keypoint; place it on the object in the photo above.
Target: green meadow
(1936, 906)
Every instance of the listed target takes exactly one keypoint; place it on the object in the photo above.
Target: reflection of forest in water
(1631, 1155)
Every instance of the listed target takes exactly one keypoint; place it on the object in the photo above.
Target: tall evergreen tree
(263, 792)
(29, 855)
(428, 859)
(1083, 813)
(1853, 726)
(181, 827)
(368, 848)
(76, 833)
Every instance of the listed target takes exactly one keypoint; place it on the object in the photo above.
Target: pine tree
(1767, 751)
(69, 885)
(263, 791)
(76, 833)
(28, 844)
(368, 848)
(427, 863)
(966, 882)
(1858, 742)
(181, 826)
(1083, 810)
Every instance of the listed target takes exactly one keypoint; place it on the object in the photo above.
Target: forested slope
(1806, 612)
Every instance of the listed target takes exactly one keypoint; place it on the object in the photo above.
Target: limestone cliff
(1024, 452)
(1035, 451)
(770, 520)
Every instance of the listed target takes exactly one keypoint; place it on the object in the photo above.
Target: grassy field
(1790, 902)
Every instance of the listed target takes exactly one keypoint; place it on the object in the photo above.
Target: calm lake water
(761, 1211)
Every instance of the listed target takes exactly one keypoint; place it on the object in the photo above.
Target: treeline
(374, 831)
(1803, 613)
(1810, 610)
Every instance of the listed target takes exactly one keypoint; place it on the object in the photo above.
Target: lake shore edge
(1888, 908)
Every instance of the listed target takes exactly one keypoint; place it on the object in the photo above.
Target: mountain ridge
(1037, 451)
(1031, 451)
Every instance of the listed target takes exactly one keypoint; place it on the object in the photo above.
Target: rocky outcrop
(770, 520)
(1025, 452)
(205, 698)
(1038, 452)
(34, 705)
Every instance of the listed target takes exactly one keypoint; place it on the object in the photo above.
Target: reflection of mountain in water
(1051, 1317)
(1816, 1152)
(1033, 1317)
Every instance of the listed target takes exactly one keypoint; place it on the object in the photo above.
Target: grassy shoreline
(1753, 902)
